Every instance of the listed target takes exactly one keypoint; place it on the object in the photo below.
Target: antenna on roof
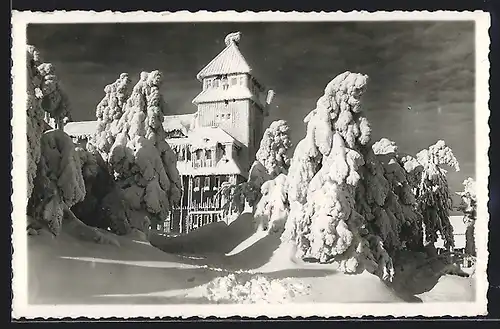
(233, 38)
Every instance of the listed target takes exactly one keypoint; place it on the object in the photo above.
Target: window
(216, 83)
(225, 86)
(234, 81)
(228, 116)
(198, 155)
(206, 184)
(217, 183)
(197, 184)
(242, 80)
(208, 154)
(188, 155)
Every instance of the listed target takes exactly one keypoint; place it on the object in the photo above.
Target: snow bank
(215, 238)
(244, 289)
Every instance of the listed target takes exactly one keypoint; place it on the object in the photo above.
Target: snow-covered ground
(216, 264)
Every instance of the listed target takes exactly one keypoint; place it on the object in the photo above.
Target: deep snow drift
(68, 270)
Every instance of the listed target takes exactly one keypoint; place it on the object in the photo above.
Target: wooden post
(182, 204)
(190, 201)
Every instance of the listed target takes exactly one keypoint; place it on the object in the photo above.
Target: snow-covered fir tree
(34, 113)
(272, 160)
(274, 147)
(432, 191)
(132, 140)
(468, 206)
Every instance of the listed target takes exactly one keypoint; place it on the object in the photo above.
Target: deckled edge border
(19, 179)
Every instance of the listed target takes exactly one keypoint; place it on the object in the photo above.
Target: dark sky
(426, 65)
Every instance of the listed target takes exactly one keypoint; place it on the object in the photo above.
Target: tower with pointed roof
(232, 98)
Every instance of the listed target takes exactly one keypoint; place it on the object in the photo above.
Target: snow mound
(214, 238)
(451, 288)
(245, 289)
(248, 243)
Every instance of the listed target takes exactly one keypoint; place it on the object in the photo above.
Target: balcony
(201, 163)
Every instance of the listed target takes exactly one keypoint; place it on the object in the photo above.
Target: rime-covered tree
(273, 150)
(468, 206)
(432, 191)
(54, 101)
(56, 169)
(272, 209)
(348, 200)
(108, 113)
(272, 160)
(142, 163)
(34, 112)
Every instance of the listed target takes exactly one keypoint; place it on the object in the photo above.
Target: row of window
(223, 82)
(223, 116)
(206, 182)
(185, 154)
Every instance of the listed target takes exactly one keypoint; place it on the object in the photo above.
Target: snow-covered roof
(459, 229)
(228, 61)
(88, 128)
(81, 128)
(232, 93)
(180, 122)
(225, 166)
(206, 137)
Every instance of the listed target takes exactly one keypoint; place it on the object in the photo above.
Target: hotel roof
(228, 61)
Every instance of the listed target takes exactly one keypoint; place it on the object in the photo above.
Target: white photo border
(20, 306)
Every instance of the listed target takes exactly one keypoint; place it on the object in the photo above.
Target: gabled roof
(81, 129)
(228, 61)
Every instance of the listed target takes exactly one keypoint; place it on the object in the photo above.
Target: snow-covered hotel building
(215, 144)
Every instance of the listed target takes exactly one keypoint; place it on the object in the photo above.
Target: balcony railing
(200, 163)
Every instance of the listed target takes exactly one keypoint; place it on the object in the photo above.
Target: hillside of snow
(218, 263)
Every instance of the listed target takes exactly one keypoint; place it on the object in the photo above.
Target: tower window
(216, 83)
(225, 86)
(234, 81)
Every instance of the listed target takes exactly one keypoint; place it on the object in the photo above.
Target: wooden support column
(189, 201)
(181, 210)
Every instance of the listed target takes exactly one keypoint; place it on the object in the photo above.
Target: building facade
(217, 143)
